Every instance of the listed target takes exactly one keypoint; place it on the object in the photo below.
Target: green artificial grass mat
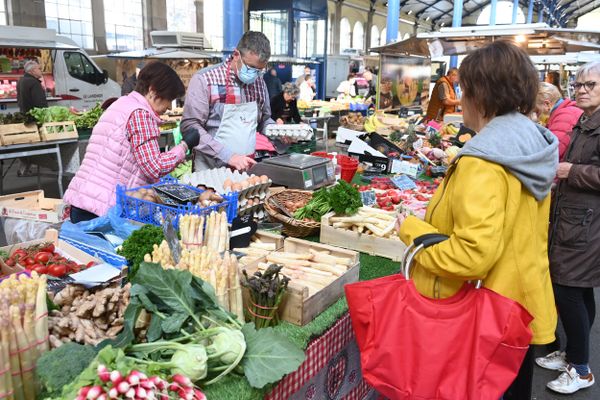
(237, 388)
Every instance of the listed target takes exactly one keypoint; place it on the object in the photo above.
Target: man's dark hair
(257, 43)
(162, 79)
(499, 78)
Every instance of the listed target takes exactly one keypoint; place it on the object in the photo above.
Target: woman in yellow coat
(494, 202)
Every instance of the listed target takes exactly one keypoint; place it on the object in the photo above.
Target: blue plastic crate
(151, 213)
(110, 258)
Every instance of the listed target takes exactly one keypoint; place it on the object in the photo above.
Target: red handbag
(469, 346)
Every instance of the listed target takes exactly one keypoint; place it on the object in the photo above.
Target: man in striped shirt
(221, 102)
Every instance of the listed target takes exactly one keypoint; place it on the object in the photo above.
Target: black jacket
(30, 93)
(273, 85)
(278, 107)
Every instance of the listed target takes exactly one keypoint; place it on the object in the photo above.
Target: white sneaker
(570, 381)
(555, 361)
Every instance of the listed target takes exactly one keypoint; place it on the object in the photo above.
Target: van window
(80, 67)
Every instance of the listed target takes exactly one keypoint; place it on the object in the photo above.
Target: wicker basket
(292, 227)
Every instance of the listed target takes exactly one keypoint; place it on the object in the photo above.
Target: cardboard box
(33, 206)
(297, 306)
(64, 248)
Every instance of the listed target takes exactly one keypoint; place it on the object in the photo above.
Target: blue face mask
(248, 74)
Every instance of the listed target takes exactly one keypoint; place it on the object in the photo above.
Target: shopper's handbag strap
(421, 243)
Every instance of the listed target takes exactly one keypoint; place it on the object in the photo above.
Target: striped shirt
(205, 100)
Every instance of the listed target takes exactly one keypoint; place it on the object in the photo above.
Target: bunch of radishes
(137, 386)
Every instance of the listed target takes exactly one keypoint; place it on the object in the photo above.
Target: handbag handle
(421, 243)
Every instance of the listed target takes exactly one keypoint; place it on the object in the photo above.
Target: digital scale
(297, 171)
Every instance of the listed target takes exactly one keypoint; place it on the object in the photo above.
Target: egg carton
(225, 181)
(297, 132)
(256, 210)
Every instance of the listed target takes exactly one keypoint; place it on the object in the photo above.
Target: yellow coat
(498, 232)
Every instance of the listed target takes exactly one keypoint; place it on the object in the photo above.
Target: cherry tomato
(90, 264)
(57, 270)
(42, 257)
(20, 253)
(28, 261)
(40, 269)
(10, 262)
(48, 248)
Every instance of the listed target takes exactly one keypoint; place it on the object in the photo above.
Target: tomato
(90, 264)
(20, 253)
(28, 261)
(42, 257)
(10, 262)
(57, 270)
(49, 248)
(40, 269)
(72, 266)
(395, 199)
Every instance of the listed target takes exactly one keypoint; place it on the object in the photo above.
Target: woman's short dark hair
(162, 79)
(499, 78)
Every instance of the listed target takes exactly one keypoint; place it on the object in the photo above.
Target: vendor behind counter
(284, 106)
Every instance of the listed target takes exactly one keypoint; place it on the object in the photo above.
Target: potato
(136, 195)
(149, 197)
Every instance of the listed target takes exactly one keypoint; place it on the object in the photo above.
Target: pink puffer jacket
(109, 159)
(561, 123)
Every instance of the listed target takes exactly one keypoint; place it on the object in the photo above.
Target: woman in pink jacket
(561, 114)
(124, 149)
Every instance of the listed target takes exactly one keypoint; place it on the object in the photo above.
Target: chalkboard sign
(181, 193)
(166, 200)
(242, 230)
(368, 197)
(55, 285)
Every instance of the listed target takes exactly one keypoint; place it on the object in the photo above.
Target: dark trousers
(78, 215)
(521, 387)
(577, 310)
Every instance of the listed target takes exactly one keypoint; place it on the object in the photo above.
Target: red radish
(113, 393)
(102, 397)
(84, 391)
(141, 393)
(80, 398)
(198, 395)
(123, 387)
(94, 392)
(103, 373)
(186, 394)
(151, 395)
(174, 387)
(182, 380)
(134, 377)
(161, 384)
(148, 384)
(115, 377)
(130, 393)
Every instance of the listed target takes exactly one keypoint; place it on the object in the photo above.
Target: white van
(71, 78)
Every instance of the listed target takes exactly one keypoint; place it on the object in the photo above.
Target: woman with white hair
(574, 245)
(284, 107)
(30, 93)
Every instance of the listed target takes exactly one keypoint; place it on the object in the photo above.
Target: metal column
(494, 4)
(515, 11)
(541, 12)
(456, 23)
(393, 21)
(233, 23)
(530, 12)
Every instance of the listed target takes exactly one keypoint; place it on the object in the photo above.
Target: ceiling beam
(523, 3)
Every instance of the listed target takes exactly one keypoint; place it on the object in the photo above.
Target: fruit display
(293, 132)
(252, 189)
(353, 120)
(45, 259)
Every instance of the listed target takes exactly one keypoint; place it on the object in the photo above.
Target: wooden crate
(58, 131)
(297, 306)
(19, 134)
(33, 206)
(370, 244)
(269, 237)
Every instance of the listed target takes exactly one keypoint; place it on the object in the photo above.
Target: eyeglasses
(589, 85)
(259, 71)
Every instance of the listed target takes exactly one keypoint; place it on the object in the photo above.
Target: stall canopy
(168, 53)
(537, 39)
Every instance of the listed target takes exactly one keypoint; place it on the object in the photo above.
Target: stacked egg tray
(251, 189)
(295, 132)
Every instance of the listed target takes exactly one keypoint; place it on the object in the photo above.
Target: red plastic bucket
(347, 164)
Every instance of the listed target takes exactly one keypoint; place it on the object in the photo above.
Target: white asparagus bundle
(236, 305)
(369, 220)
(303, 276)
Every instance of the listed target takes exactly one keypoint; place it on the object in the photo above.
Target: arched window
(504, 11)
(345, 42)
(374, 36)
(358, 36)
(181, 15)
(382, 36)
